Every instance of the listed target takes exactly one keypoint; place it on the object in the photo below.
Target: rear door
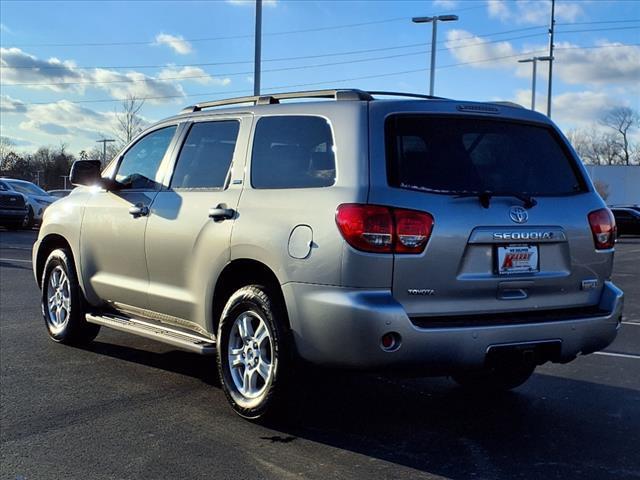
(186, 247)
(489, 252)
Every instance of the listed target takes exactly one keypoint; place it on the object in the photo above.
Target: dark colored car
(627, 220)
(13, 209)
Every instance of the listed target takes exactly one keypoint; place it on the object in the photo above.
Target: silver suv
(363, 229)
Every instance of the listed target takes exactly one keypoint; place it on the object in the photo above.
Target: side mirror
(85, 172)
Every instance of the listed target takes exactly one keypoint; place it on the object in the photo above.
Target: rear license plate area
(535, 353)
(513, 259)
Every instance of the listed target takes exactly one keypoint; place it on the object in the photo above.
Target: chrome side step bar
(186, 341)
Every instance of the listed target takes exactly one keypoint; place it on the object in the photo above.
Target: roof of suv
(341, 98)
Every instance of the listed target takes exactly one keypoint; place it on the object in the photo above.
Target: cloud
(535, 12)
(611, 63)
(614, 64)
(176, 42)
(468, 48)
(19, 67)
(65, 118)
(4, 28)
(498, 9)
(194, 74)
(11, 105)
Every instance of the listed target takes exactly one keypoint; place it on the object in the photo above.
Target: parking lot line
(622, 355)
(14, 260)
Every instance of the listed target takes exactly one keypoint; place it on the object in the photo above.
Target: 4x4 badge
(518, 214)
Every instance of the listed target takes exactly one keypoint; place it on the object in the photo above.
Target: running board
(186, 341)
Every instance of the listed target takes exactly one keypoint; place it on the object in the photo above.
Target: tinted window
(469, 154)
(141, 162)
(292, 152)
(206, 155)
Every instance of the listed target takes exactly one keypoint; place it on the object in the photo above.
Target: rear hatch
(510, 205)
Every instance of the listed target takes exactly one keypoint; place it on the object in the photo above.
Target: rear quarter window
(461, 154)
(292, 151)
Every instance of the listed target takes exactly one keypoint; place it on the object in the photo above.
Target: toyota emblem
(518, 214)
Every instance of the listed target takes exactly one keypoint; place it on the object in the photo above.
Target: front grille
(508, 318)
(8, 201)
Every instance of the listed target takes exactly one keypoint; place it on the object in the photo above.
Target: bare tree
(129, 122)
(6, 146)
(622, 119)
(594, 147)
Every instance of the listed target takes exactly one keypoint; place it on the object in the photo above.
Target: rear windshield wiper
(486, 196)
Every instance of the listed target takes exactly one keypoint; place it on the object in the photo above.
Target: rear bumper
(343, 327)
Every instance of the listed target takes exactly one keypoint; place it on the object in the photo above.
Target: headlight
(44, 203)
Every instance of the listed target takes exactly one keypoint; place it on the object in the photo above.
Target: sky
(66, 66)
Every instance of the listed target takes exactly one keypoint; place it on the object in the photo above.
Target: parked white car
(37, 199)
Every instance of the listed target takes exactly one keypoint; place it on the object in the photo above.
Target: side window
(140, 164)
(206, 155)
(292, 152)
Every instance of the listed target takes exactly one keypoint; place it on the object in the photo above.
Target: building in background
(617, 184)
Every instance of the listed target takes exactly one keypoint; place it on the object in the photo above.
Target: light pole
(535, 61)
(434, 33)
(551, 47)
(258, 49)
(104, 142)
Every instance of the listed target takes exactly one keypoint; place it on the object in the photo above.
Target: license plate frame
(517, 259)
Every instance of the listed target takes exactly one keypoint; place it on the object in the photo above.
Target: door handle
(221, 212)
(139, 210)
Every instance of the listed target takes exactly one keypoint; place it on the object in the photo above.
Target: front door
(113, 227)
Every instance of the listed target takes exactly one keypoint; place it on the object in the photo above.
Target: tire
(63, 305)
(501, 377)
(28, 222)
(253, 352)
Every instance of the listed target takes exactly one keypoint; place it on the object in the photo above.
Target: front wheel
(63, 306)
(497, 378)
(253, 353)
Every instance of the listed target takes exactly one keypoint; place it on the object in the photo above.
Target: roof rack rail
(405, 94)
(337, 94)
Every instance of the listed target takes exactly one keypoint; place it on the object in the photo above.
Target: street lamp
(104, 142)
(434, 32)
(535, 61)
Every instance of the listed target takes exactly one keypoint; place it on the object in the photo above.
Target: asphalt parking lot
(127, 407)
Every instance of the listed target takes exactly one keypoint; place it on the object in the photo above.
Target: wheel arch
(239, 273)
(48, 244)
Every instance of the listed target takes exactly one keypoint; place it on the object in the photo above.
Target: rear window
(459, 155)
(292, 152)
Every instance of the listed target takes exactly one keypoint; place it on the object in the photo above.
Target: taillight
(366, 227)
(412, 230)
(374, 228)
(603, 227)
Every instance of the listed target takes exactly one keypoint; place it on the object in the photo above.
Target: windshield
(464, 155)
(27, 188)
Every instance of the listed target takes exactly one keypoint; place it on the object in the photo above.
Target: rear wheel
(63, 306)
(253, 353)
(496, 378)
